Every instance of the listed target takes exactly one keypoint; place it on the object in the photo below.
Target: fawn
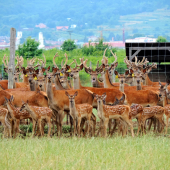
(79, 111)
(5, 122)
(16, 114)
(106, 113)
(38, 114)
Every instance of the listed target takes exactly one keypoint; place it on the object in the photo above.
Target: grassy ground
(146, 152)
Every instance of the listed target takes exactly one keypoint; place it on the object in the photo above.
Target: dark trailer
(155, 52)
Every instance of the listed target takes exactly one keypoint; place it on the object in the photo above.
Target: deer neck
(165, 101)
(73, 109)
(121, 87)
(11, 110)
(100, 109)
(106, 80)
(25, 79)
(33, 86)
(76, 82)
(57, 83)
(49, 91)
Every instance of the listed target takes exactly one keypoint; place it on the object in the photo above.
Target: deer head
(71, 98)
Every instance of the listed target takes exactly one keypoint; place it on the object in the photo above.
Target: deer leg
(74, 124)
(139, 126)
(167, 120)
(114, 127)
(129, 122)
(100, 127)
(61, 117)
(105, 127)
(162, 124)
(78, 126)
(33, 127)
(94, 124)
(39, 125)
(49, 127)
(110, 125)
(71, 125)
(150, 123)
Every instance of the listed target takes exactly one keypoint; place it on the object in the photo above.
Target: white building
(41, 40)
(141, 39)
(19, 36)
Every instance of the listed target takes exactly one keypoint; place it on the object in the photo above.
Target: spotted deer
(5, 122)
(16, 114)
(106, 112)
(38, 114)
(79, 111)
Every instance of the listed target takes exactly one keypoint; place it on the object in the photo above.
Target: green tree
(68, 45)
(161, 39)
(29, 48)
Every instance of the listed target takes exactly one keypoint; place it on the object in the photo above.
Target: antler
(56, 55)
(43, 63)
(66, 60)
(5, 58)
(114, 55)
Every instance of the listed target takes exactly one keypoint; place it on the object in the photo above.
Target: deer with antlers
(106, 112)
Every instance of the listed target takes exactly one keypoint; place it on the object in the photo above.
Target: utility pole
(11, 65)
(69, 31)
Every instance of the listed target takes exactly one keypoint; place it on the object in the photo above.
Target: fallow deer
(106, 112)
(5, 122)
(38, 114)
(79, 111)
(16, 115)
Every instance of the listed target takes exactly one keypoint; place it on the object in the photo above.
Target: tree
(29, 48)
(161, 39)
(68, 45)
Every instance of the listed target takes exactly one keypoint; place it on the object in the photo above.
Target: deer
(38, 114)
(59, 102)
(79, 111)
(106, 112)
(16, 114)
(5, 122)
(164, 97)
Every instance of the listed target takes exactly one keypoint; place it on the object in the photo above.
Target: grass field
(145, 152)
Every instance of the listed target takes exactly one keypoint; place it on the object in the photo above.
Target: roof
(41, 25)
(62, 27)
(160, 52)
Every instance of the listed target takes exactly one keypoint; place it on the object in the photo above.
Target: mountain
(85, 14)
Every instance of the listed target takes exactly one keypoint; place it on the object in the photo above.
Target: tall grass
(146, 152)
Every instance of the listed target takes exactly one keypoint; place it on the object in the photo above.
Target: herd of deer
(47, 97)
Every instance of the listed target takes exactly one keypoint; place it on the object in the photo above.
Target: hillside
(85, 14)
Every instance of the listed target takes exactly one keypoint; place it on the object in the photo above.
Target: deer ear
(131, 71)
(81, 66)
(103, 66)
(76, 93)
(67, 67)
(54, 70)
(66, 93)
(87, 71)
(43, 70)
(48, 68)
(104, 95)
(17, 69)
(22, 102)
(37, 71)
(27, 101)
(12, 98)
(126, 72)
(24, 72)
(95, 95)
(116, 72)
(144, 71)
(6, 99)
(116, 64)
(6, 70)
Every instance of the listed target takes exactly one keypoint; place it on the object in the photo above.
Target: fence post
(11, 65)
